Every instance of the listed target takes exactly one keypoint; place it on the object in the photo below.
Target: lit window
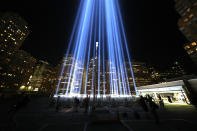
(1, 34)
(187, 47)
(193, 43)
(190, 52)
(185, 20)
(5, 31)
(5, 40)
(18, 31)
(9, 74)
(191, 15)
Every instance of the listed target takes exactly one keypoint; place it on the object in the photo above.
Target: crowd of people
(147, 104)
(89, 105)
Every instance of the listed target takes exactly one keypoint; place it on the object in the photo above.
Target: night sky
(151, 29)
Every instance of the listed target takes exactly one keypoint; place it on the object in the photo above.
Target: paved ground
(37, 116)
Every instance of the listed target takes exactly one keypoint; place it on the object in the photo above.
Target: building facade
(44, 78)
(175, 70)
(141, 73)
(13, 31)
(187, 9)
(89, 81)
(191, 49)
(16, 65)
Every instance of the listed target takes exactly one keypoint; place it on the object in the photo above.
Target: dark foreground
(38, 116)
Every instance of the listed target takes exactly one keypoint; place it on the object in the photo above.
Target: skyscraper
(16, 65)
(187, 9)
(13, 31)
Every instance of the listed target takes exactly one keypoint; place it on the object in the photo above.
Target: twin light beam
(95, 61)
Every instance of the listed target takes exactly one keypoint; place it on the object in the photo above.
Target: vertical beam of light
(126, 45)
(69, 47)
(99, 45)
(95, 35)
(109, 40)
(103, 45)
(120, 56)
(89, 51)
(97, 21)
(117, 55)
(75, 47)
(81, 47)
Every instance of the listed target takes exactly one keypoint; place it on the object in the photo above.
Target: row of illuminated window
(192, 51)
(7, 74)
(18, 31)
(189, 17)
(191, 45)
(9, 53)
(12, 39)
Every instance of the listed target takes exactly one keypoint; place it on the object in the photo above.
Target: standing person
(143, 104)
(154, 107)
(76, 104)
(161, 103)
(86, 102)
(159, 96)
(169, 99)
(58, 104)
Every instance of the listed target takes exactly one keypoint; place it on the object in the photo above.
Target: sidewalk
(37, 116)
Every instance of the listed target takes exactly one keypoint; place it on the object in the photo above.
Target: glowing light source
(100, 22)
(22, 87)
(193, 43)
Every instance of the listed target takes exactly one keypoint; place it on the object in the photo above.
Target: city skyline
(45, 23)
(98, 65)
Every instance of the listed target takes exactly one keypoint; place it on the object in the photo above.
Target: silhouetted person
(149, 98)
(58, 104)
(51, 101)
(169, 99)
(154, 107)
(161, 103)
(142, 103)
(76, 104)
(125, 115)
(159, 97)
(86, 103)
